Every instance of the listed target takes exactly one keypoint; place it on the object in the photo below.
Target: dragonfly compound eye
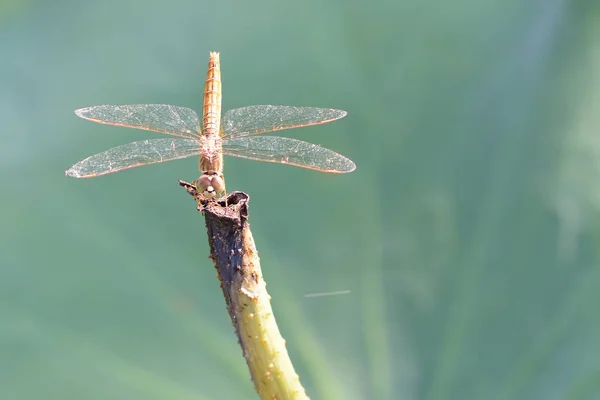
(218, 184)
(210, 185)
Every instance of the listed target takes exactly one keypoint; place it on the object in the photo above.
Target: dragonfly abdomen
(211, 112)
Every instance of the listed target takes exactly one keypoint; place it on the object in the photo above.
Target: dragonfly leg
(224, 194)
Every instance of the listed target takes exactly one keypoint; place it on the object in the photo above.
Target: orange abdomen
(211, 112)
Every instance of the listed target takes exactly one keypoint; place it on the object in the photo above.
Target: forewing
(254, 120)
(283, 150)
(162, 118)
(131, 155)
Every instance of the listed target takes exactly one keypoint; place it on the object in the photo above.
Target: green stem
(236, 259)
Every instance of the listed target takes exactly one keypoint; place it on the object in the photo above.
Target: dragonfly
(237, 134)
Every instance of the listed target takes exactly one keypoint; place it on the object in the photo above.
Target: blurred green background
(468, 235)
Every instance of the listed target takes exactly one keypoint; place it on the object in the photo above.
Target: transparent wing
(135, 154)
(283, 150)
(254, 120)
(162, 118)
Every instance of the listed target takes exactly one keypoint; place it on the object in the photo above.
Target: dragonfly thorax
(211, 158)
(211, 185)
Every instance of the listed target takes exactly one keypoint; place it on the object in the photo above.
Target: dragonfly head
(211, 185)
